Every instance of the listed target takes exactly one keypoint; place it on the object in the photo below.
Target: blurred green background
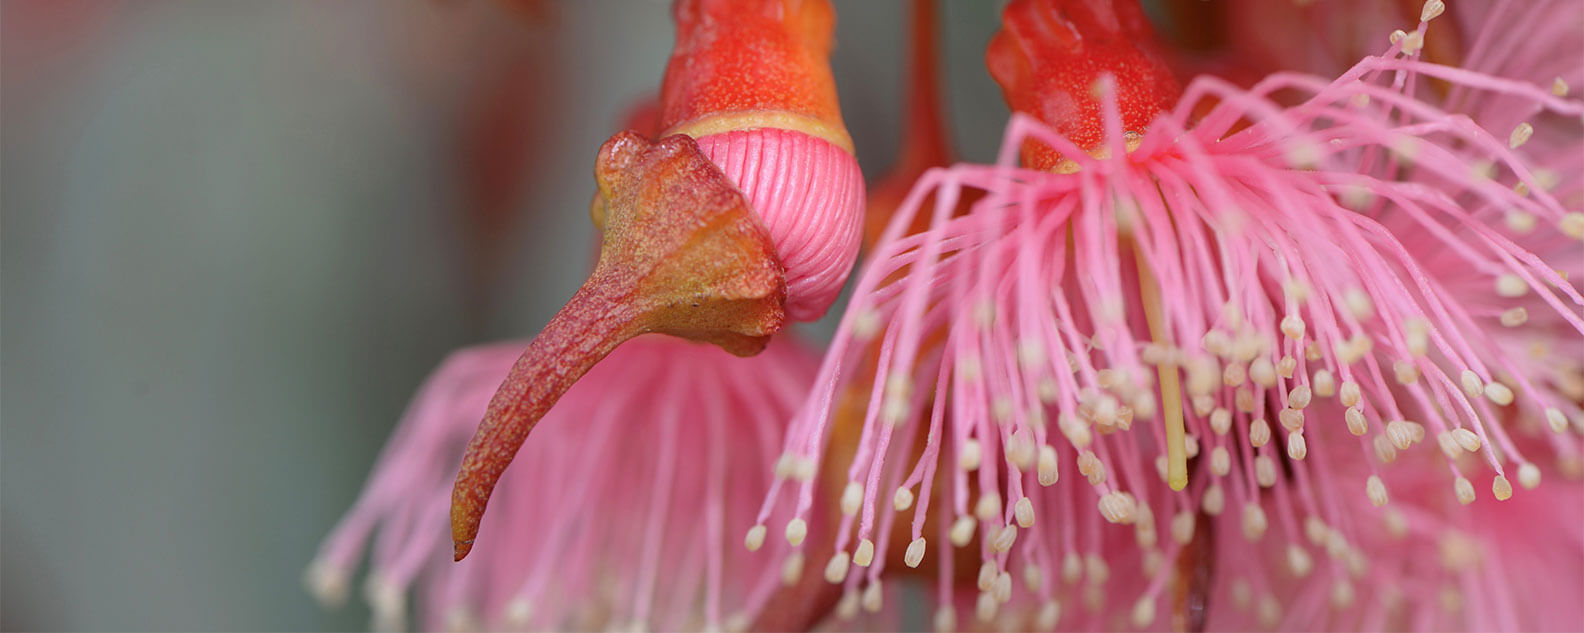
(235, 236)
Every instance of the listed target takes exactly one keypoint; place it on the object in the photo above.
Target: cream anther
(1520, 135)
(903, 499)
(1259, 432)
(1143, 612)
(1262, 372)
(915, 553)
(968, 455)
(1214, 500)
(1416, 334)
(1299, 561)
(1220, 461)
(1432, 9)
(1316, 530)
(1075, 429)
(1292, 326)
(1358, 303)
(836, 569)
(1472, 385)
(872, 597)
(865, 553)
(1291, 419)
(1384, 449)
(1020, 452)
(1350, 393)
(945, 620)
(1482, 170)
(1342, 594)
(1048, 471)
(988, 572)
(865, 325)
(1498, 393)
(1090, 466)
(1118, 507)
(803, 468)
(1572, 225)
(1264, 471)
(1556, 420)
(847, 606)
(1049, 615)
(1233, 375)
(792, 569)
(756, 538)
(1354, 348)
(1501, 488)
(1376, 489)
(1466, 439)
(1299, 397)
(1324, 383)
(1528, 475)
(1033, 577)
(1297, 448)
(852, 498)
(1520, 221)
(1182, 527)
(796, 531)
(1449, 446)
(1514, 317)
(1220, 421)
(1511, 286)
(1405, 372)
(962, 531)
(1400, 434)
(985, 607)
(1203, 376)
(1464, 489)
(1004, 539)
(989, 506)
(1254, 522)
(1024, 511)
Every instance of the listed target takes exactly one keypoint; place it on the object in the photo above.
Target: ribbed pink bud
(809, 194)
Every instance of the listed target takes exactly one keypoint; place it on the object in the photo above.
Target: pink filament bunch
(809, 195)
(625, 511)
(1318, 291)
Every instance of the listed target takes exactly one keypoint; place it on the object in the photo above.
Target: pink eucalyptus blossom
(628, 510)
(1276, 366)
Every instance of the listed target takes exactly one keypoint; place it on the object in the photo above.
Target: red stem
(924, 142)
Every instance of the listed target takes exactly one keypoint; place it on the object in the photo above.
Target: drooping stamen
(683, 254)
